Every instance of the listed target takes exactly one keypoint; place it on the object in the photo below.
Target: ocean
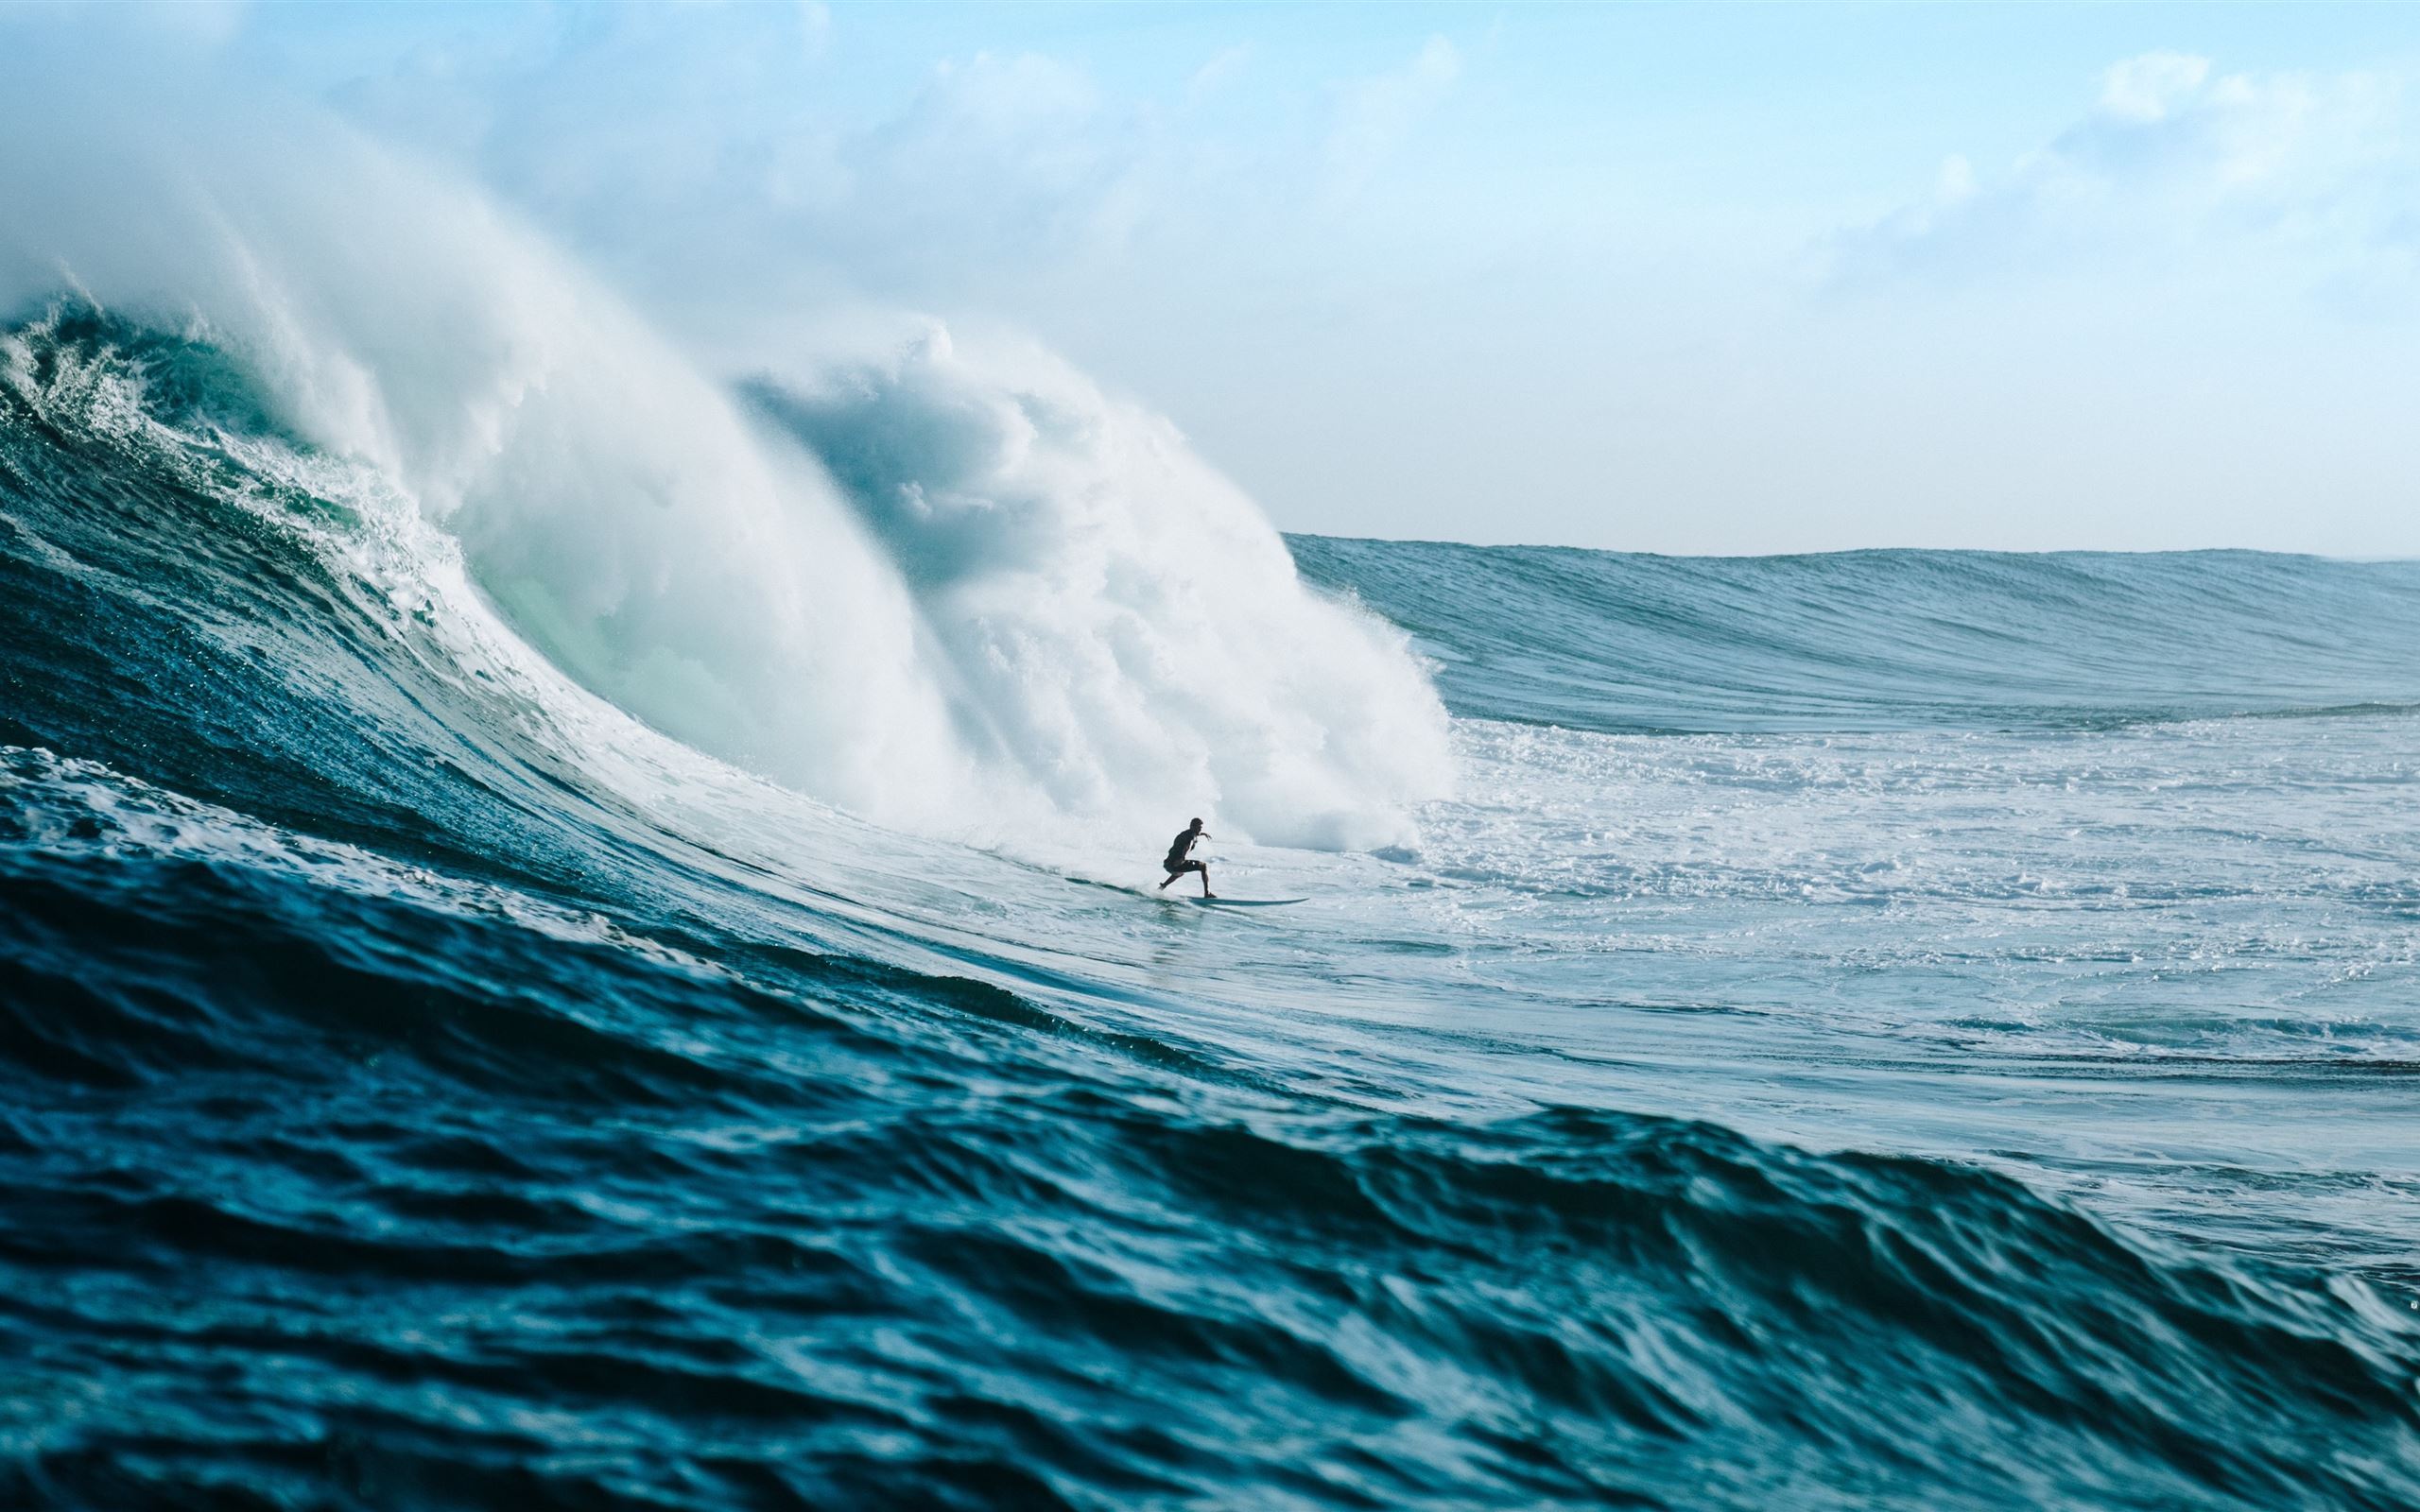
(601, 949)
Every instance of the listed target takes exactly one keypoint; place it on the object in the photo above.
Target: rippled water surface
(1899, 1030)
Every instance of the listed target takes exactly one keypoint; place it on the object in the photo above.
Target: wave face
(426, 1079)
(1889, 639)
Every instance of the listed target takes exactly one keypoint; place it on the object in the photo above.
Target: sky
(1654, 277)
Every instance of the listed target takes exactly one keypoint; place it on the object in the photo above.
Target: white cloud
(2304, 180)
(1216, 74)
(1023, 158)
(814, 27)
(1374, 115)
(723, 163)
(2148, 88)
(1957, 181)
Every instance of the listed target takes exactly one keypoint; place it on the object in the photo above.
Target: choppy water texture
(1893, 1030)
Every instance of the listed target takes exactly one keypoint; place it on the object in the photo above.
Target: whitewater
(577, 929)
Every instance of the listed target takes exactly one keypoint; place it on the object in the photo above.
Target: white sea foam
(1114, 619)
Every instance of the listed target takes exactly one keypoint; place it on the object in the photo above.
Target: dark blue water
(1902, 1030)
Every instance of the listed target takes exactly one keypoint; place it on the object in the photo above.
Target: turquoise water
(1888, 1030)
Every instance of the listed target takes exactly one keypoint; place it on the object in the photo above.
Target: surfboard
(1246, 902)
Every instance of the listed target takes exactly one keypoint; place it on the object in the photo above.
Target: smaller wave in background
(1627, 642)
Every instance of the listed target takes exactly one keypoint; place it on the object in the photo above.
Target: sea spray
(1114, 619)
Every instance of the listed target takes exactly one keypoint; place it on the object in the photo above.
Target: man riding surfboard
(1179, 865)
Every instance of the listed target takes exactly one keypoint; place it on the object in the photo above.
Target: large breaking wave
(1024, 608)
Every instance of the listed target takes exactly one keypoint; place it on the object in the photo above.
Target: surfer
(1177, 862)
